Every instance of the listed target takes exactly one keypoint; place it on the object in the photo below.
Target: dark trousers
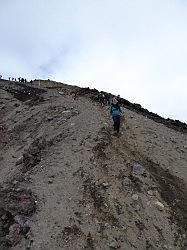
(116, 120)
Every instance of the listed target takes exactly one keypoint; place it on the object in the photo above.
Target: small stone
(173, 140)
(49, 119)
(15, 182)
(137, 208)
(150, 192)
(66, 111)
(131, 116)
(4, 217)
(114, 245)
(159, 205)
(50, 181)
(20, 220)
(135, 197)
(29, 244)
(19, 160)
(138, 169)
(105, 184)
(105, 125)
(181, 150)
(148, 203)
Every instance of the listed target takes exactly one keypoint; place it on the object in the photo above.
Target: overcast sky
(135, 48)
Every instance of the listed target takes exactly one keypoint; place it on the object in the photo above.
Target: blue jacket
(115, 110)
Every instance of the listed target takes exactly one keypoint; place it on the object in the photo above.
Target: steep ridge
(68, 183)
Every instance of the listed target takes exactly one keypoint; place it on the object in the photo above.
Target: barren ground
(68, 183)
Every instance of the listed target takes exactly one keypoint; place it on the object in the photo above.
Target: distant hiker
(116, 112)
(9, 78)
(0, 76)
(19, 79)
(102, 99)
(118, 98)
(12, 79)
(107, 98)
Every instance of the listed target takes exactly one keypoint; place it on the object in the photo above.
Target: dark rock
(5, 244)
(17, 201)
(29, 244)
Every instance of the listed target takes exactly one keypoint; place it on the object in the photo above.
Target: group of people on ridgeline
(14, 79)
(20, 79)
(115, 109)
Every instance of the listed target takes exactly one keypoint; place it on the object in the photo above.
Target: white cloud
(135, 48)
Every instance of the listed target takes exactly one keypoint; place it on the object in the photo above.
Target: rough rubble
(66, 182)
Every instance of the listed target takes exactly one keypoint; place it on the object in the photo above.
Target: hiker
(101, 99)
(0, 76)
(107, 98)
(116, 112)
(118, 98)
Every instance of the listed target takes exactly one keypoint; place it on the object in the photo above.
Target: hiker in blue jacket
(116, 112)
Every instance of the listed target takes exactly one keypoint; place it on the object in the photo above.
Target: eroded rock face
(15, 205)
(17, 201)
(32, 156)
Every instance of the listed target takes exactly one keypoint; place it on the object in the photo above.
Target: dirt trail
(81, 185)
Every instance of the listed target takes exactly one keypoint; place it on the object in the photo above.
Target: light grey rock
(135, 197)
(138, 169)
(150, 192)
(19, 160)
(114, 245)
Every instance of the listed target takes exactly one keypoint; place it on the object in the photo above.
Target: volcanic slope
(68, 183)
